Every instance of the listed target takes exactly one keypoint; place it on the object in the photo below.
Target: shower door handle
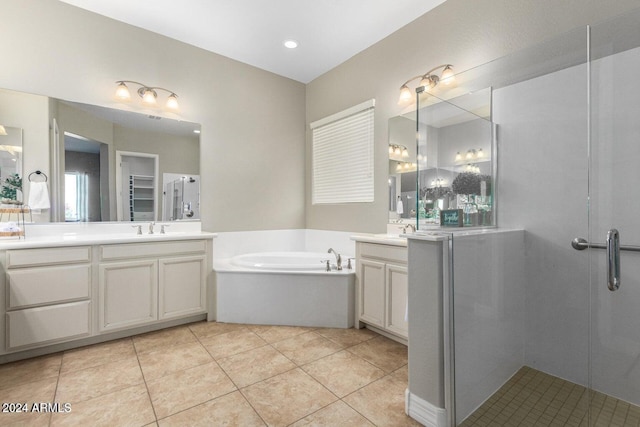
(612, 245)
(613, 259)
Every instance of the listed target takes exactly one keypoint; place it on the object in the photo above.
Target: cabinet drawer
(384, 252)
(48, 256)
(138, 250)
(47, 324)
(46, 285)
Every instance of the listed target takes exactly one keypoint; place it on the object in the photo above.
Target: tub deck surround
(280, 296)
(69, 285)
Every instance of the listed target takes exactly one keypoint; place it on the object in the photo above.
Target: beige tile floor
(536, 399)
(216, 374)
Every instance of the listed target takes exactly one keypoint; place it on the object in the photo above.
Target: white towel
(9, 226)
(399, 207)
(39, 195)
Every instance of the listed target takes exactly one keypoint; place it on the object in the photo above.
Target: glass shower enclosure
(558, 343)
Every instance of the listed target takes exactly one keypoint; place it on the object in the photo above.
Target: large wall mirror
(454, 145)
(105, 164)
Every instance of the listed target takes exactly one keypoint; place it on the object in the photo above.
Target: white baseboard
(423, 411)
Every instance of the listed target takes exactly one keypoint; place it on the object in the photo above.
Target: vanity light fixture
(398, 150)
(428, 81)
(148, 94)
(470, 154)
(3, 131)
(406, 166)
(472, 168)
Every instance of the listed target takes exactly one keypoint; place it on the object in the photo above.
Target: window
(75, 196)
(342, 156)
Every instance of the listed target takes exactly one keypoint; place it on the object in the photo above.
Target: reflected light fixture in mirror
(398, 150)
(428, 81)
(148, 94)
(471, 154)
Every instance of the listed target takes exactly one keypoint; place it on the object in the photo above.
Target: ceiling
(328, 32)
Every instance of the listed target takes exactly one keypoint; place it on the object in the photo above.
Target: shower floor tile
(533, 398)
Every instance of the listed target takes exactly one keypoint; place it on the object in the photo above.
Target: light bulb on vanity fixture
(149, 94)
(398, 150)
(471, 154)
(427, 81)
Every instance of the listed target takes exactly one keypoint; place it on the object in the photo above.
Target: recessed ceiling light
(291, 44)
(196, 131)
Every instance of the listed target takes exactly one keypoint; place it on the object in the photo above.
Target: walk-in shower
(556, 346)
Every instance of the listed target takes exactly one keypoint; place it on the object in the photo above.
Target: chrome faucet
(404, 229)
(151, 224)
(338, 258)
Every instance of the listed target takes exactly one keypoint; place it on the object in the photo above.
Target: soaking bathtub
(284, 288)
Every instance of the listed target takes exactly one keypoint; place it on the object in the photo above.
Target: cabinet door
(371, 292)
(182, 286)
(128, 294)
(397, 288)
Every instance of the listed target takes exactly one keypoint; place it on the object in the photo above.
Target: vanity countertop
(429, 235)
(71, 239)
(75, 234)
(381, 239)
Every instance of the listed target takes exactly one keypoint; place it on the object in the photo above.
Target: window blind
(342, 156)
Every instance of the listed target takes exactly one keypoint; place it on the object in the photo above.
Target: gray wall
(252, 120)
(461, 32)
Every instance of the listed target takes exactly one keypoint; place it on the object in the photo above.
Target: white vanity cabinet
(146, 282)
(47, 295)
(382, 286)
(58, 296)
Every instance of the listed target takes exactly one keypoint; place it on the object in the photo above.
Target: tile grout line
(144, 379)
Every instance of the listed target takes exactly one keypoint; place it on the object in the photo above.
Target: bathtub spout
(338, 258)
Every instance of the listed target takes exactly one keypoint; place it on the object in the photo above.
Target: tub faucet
(338, 258)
